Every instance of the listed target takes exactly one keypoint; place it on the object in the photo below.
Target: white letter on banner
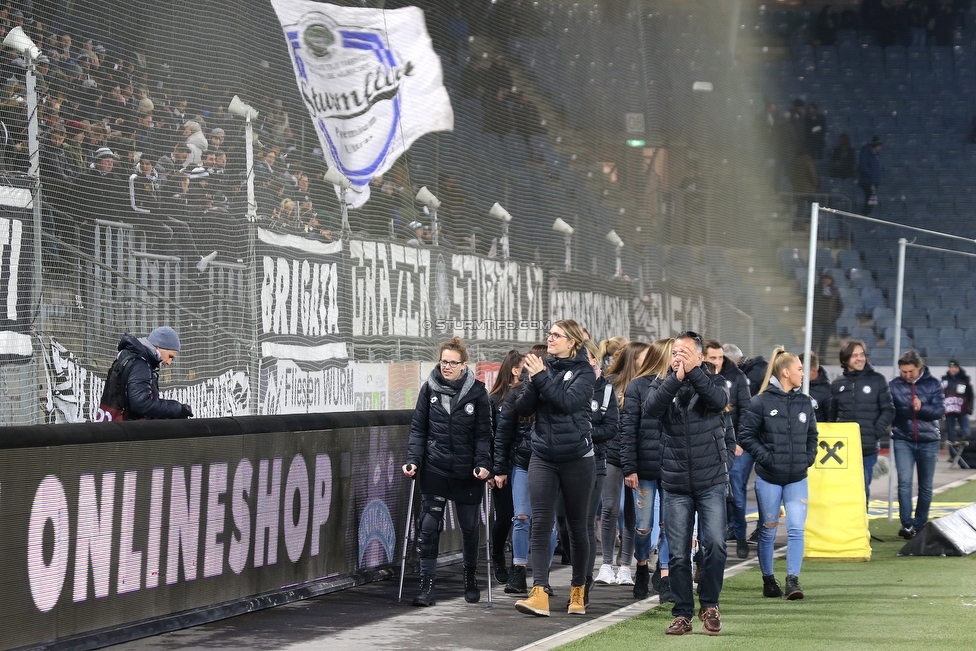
(267, 294)
(321, 498)
(184, 523)
(93, 541)
(130, 560)
(155, 527)
(213, 551)
(296, 487)
(268, 508)
(46, 580)
(239, 547)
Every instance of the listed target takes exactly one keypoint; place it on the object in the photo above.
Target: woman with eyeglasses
(558, 393)
(780, 431)
(449, 453)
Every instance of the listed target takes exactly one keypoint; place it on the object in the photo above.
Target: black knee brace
(431, 523)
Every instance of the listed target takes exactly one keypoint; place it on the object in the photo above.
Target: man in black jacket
(958, 402)
(819, 388)
(698, 451)
(861, 395)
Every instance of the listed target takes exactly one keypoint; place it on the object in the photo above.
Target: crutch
(406, 540)
(488, 541)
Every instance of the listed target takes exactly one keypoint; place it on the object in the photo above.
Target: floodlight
(241, 110)
(562, 227)
(17, 40)
(500, 213)
(427, 198)
(614, 239)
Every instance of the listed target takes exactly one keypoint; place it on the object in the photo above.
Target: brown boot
(576, 606)
(537, 603)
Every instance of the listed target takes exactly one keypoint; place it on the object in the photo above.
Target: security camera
(335, 177)
(427, 198)
(500, 213)
(240, 109)
(614, 239)
(562, 227)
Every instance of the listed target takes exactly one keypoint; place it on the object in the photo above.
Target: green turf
(889, 603)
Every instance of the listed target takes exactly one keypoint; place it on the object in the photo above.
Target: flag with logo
(371, 82)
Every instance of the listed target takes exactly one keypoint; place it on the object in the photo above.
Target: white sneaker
(605, 577)
(624, 577)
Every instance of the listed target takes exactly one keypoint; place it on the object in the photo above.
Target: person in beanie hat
(132, 386)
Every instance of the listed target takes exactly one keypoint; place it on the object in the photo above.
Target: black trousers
(504, 512)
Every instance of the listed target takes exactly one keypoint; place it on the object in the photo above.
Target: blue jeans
(869, 462)
(664, 552)
(962, 420)
(924, 455)
(646, 497)
(794, 498)
(679, 514)
(520, 527)
(739, 478)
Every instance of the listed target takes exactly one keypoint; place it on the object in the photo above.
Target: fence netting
(635, 117)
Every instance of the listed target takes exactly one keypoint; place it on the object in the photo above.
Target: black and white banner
(16, 272)
(371, 82)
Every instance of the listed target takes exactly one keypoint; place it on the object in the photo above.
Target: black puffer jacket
(139, 375)
(605, 420)
(560, 396)
(453, 440)
(513, 436)
(863, 397)
(923, 425)
(780, 431)
(820, 393)
(738, 385)
(754, 369)
(640, 433)
(697, 448)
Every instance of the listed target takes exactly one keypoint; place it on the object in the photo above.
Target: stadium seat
(849, 259)
(890, 334)
(861, 278)
(914, 318)
(942, 318)
(866, 335)
(872, 298)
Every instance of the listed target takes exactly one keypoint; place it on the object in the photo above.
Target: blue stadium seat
(880, 354)
(861, 278)
(926, 339)
(942, 317)
(882, 312)
(890, 334)
(866, 335)
(970, 337)
(966, 317)
(872, 298)
(926, 299)
(845, 323)
(849, 258)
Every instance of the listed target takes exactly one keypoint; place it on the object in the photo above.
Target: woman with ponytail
(780, 431)
(449, 452)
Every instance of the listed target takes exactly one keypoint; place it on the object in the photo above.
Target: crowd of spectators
(897, 22)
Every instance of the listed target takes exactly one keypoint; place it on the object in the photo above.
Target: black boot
(586, 590)
(641, 580)
(656, 577)
(471, 592)
(426, 596)
(516, 580)
(793, 589)
(500, 571)
(666, 595)
(771, 586)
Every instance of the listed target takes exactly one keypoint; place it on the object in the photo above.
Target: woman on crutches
(448, 451)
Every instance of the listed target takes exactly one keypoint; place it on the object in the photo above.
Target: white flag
(370, 80)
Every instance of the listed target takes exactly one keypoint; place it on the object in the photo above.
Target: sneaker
(771, 586)
(537, 603)
(576, 605)
(605, 575)
(679, 626)
(624, 577)
(793, 589)
(666, 595)
(741, 548)
(516, 580)
(641, 581)
(500, 571)
(711, 620)
(907, 532)
(471, 592)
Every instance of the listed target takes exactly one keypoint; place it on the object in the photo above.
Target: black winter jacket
(958, 392)
(923, 425)
(611, 448)
(140, 375)
(754, 369)
(605, 419)
(820, 394)
(696, 446)
(513, 436)
(863, 397)
(560, 396)
(640, 433)
(780, 431)
(738, 385)
(451, 441)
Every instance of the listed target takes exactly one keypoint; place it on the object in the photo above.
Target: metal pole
(34, 172)
(488, 540)
(504, 241)
(406, 540)
(811, 285)
(618, 271)
(569, 249)
(899, 298)
(252, 207)
(434, 235)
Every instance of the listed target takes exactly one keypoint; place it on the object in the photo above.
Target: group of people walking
(575, 431)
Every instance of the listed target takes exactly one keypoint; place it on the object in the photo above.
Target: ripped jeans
(794, 498)
(646, 496)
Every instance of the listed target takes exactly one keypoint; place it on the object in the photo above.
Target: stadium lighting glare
(242, 110)
(502, 215)
(17, 40)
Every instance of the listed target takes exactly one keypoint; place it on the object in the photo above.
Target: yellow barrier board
(837, 519)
